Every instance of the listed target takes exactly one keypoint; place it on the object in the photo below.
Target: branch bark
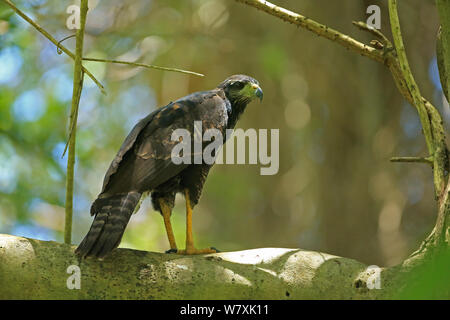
(32, 269)
(148, 66)
(408, 76)
(76, 94)
(443, 45)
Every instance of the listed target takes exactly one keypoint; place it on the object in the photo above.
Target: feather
(109, 225)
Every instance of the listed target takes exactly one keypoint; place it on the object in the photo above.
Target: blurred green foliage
(340, 119)
(429, 281)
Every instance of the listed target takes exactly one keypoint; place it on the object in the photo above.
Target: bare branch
(317, 28)
(428, 160)
(443, 45)
(76, 94)
(407, 75)
(149, 66)
(55, 42)
(363, 26)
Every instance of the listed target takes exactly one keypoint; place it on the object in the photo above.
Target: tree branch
(317, 28)
(395, 59)
(149, 66)
(386, 55)
(76, 94)
(443, 45)
(54, 41)
(61, 48)
(428, 160)
(267, 273)
(407, 75)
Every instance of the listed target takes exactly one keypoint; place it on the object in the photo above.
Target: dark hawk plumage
(144, 163)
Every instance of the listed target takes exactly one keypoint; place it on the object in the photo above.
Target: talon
(213, 248)
(172, 251)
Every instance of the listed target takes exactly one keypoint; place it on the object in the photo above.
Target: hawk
(144, 164)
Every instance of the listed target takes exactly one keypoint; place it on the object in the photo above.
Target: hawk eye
(238, 85)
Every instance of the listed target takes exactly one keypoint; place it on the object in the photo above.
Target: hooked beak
(258, 93)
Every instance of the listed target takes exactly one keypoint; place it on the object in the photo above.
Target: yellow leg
(166, 212)
(189, 237)
(190, 249)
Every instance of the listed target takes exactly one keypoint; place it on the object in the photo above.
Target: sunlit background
(339, 114)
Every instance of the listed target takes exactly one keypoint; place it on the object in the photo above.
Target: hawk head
(241, 89)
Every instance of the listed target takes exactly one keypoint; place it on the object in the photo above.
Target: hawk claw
(214, 248)
(172, 251)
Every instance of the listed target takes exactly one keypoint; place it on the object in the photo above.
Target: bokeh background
(339, 114)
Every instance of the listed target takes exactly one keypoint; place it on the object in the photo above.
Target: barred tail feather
(111, 217)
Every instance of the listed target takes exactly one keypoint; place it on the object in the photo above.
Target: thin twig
(58, 49)
(427, 160)
(145, 66)
(364, 26)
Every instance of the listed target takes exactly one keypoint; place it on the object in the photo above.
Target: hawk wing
(144, 159)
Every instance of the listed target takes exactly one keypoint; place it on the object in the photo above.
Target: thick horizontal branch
(269, 273)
